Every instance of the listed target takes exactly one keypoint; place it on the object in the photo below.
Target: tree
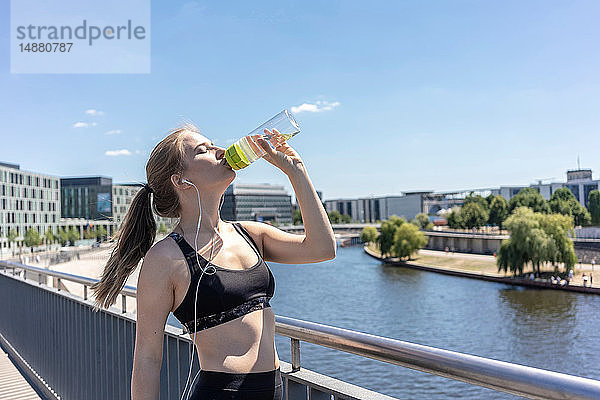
(345, 219)
(335, 217)
(49, 236)
(470, 199)
(162, 228)
(422, 221)
(32, 237)
(536, 238)
(407, 240)
(387, 234)
(72, 235)
(528, 197)
(297, 217)
(564, 202)
(369, 234)
(594, 206)
(100, 233)
(11, 237)
(63, 237)
(498, 211)
(474, 215)
(455, 220)
(89, 233)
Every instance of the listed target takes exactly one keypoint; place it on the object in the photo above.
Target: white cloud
(122, 152)
(94, 113)
(318, 106)
(138, 152)
(114, 132)
(80, 125)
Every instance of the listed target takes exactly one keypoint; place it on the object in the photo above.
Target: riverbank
(477, 268)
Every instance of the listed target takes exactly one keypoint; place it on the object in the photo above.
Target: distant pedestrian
(593, 263)
(591, 278)
(585, 279)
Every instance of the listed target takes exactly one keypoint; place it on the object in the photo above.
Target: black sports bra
(225, 295)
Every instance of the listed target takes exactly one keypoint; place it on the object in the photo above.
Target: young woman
(212, 275)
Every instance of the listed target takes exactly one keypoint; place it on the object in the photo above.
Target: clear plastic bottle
(247, 150)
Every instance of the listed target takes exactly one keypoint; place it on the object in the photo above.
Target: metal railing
(110, 333)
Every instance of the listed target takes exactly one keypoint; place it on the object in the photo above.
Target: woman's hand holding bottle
(282, 156)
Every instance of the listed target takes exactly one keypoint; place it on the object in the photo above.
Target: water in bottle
(247, 150)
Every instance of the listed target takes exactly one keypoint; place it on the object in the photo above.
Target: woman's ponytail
(134, 238)
(138, 230)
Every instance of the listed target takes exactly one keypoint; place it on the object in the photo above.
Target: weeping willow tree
(536, 239)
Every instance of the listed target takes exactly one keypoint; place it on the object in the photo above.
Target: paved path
(13, 385)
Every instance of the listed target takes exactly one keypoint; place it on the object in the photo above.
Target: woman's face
(205, 163)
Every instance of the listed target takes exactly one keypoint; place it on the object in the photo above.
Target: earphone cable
(186, 388)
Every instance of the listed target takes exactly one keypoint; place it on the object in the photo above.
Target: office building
(86, 197)
(257, 202)
(27, 200)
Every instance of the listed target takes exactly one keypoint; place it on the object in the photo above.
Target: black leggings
(216, 385)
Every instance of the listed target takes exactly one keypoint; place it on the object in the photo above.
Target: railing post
(58, 283)
(295, 354)
(124, 303)
(85, 292)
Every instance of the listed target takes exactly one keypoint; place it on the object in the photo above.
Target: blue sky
(412, 95)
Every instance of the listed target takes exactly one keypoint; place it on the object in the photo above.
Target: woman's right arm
(154, 302)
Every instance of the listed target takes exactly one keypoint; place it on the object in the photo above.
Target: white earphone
(212, 271)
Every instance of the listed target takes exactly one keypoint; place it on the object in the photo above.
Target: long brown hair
(138, 230)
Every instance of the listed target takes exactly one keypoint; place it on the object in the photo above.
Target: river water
(558, 331)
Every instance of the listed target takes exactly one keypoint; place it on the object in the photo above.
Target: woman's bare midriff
(245, 344)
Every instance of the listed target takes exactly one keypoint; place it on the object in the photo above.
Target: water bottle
(247, 150)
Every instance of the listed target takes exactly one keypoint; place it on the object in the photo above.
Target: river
(554, 330)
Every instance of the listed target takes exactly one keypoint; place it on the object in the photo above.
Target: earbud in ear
(186, 181)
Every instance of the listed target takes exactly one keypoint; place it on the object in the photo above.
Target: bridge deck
(12, 384)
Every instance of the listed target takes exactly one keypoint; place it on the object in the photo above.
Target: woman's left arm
(318, 241)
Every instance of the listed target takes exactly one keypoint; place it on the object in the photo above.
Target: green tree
(345, 219)
(564, 202)
(162, 228)
(498, 211)
(100, 233)
(63, 236)
(387, 234)
(49, 236)
(407, 240)
(528, 197)
(478, 199)
(422, 221)
(536, 238)
(369, 234)
(594, 206)
(455, 220)
(473, 215)
(73, 235)
(32, 237)
(297, 217)
(89, 233)
(335, 217)
(11, 237)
